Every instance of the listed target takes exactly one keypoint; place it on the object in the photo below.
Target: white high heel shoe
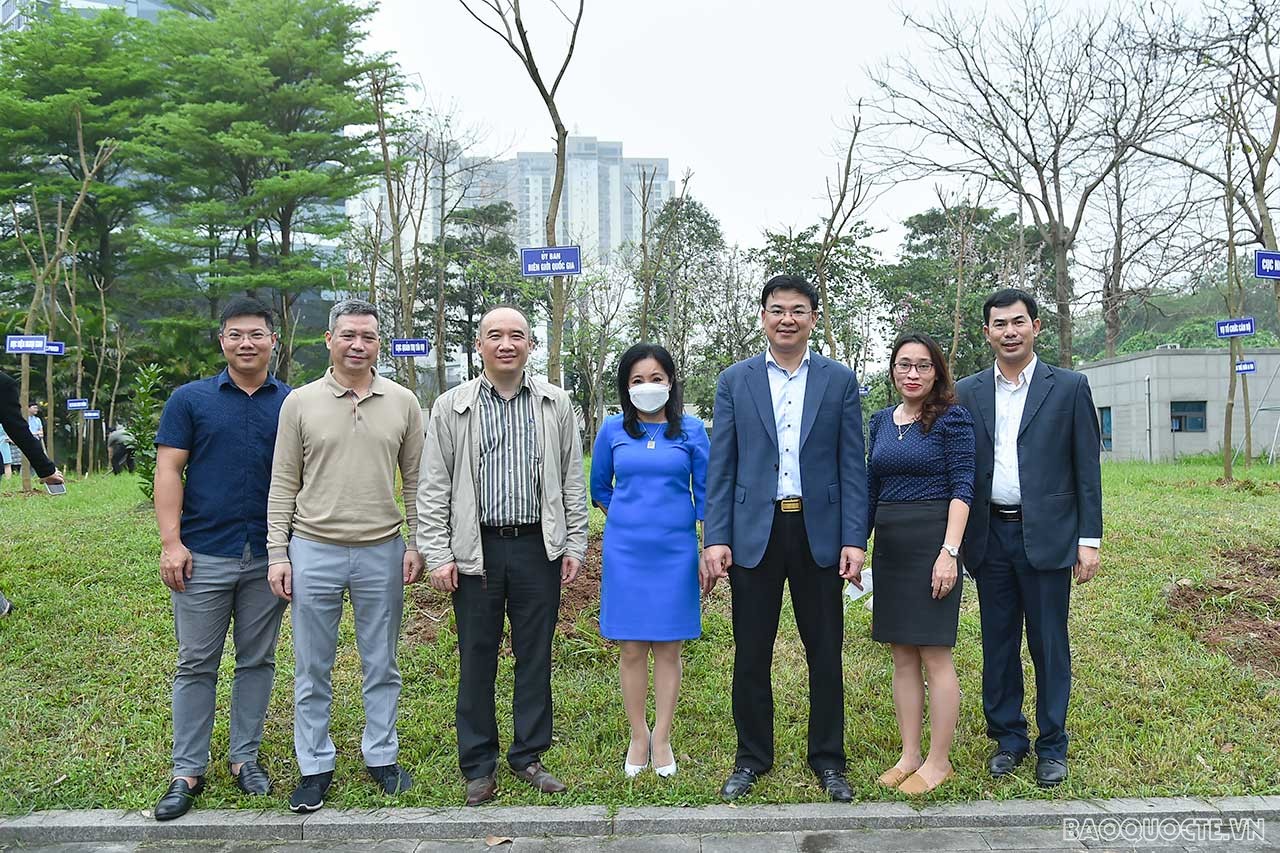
(667, 770)
(633, 770)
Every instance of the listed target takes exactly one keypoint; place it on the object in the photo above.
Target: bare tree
(504, 19)
(1027, 102)
(651, 254)
(845, 195)
(47, 269)
(963, 253)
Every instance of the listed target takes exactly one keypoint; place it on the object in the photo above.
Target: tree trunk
(555, 335)
(1062, 294)
(441, 260)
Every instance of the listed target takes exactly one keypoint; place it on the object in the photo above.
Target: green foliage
(148, 400)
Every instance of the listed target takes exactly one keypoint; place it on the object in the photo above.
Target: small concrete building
(1165, 403)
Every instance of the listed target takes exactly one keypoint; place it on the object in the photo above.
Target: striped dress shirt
(510, 461)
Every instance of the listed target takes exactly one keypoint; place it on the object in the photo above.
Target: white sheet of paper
(853, 592)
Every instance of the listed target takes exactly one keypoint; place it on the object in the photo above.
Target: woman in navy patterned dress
(649, 475)
(920, 486)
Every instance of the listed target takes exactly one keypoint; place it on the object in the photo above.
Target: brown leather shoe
(537, 776)
(482, 790)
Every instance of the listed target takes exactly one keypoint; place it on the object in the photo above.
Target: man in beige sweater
(333, 526)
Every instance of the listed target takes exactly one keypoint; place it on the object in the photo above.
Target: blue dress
(653, 495)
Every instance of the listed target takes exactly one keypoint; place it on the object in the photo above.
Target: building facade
(1166, 403)
(17, 14)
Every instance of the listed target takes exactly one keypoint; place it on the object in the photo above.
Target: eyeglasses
(924, 368)
(256, 337)
(778, 313)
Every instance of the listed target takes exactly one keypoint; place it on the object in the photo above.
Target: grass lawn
(86, 663)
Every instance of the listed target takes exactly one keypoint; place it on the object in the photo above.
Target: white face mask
(650, 397)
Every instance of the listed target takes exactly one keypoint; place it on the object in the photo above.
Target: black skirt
(908, 541)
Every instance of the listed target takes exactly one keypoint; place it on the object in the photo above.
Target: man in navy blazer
(1036, 521)
(786, 502)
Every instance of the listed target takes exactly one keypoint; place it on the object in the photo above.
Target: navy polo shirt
(230, 437)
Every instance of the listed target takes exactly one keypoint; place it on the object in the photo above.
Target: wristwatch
(953, 550)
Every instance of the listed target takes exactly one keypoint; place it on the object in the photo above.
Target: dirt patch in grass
(430, 611)
(1238, 611)
(1253, 487)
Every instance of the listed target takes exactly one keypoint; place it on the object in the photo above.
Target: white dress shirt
(1011, 400)
(787, 391)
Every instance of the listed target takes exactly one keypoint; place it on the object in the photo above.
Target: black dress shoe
(738, 783)
(178, 799)
(1050, 772)
(482, 789)
(836, 786)
(1004, 761)
(252, 779)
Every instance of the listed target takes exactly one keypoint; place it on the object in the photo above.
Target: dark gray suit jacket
(1058, 465)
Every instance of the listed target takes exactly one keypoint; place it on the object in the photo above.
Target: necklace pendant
(650, 445)
(901, 435)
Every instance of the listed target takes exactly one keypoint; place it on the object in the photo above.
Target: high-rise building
(16, 14)
(599, 206)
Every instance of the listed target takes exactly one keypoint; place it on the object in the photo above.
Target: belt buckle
(790, 504)
(511, 531)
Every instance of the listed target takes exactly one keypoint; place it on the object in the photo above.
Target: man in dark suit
(1036, 521)
(786, 502)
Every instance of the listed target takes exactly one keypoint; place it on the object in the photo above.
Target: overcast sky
(749, 95)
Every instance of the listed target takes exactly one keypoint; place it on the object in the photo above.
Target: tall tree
(505, 19)
(1030, 102)
(256, 144)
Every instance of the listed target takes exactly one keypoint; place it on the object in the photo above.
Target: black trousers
(522, 584)
(1010, 594)
(757, 603)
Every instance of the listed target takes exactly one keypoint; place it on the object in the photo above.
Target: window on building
(1104, 418)
(1187, 416)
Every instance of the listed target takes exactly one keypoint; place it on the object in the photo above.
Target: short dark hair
(247, 306)
(674, 410)
(789, 282)
(942, 396)
(1006, 297)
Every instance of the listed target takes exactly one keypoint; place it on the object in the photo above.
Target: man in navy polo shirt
(213, 534)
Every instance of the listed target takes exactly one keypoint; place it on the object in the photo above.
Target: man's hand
(569, 567)
(1087, 562)
(444, 578)
(851, 562)
(716, 560)
(412, 566)
(54, 479)
(175, 563)
(280, 576)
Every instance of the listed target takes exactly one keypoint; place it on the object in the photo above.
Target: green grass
(86, 663)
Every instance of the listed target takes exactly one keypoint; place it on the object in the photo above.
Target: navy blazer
(1058, 465)
(742, 475)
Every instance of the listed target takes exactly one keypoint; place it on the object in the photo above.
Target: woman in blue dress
(649, 476)
(920, 485)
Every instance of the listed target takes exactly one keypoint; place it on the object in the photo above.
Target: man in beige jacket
(502, 524)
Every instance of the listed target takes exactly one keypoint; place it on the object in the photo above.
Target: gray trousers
(373, 576)
(222, 591)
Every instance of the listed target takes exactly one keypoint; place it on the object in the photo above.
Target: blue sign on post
(24, 344)
(55, 348)
(864, 390)
(1237, 328)
(93, 414)
(1246, 367)
(77, 405)
(552, 260)
(1266, 264)
(410, 347)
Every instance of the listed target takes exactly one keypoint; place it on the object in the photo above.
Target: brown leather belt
(790, 504)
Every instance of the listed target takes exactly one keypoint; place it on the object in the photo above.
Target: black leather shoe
(482, 789)
(738, 783)
(392, 778)
(252, 779)
(836, 786)
(1050, 772)
(1003, 762)
(178, 799)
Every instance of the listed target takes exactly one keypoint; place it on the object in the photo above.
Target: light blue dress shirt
(787, 391)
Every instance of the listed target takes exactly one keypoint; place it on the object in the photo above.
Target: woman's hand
(945, 573)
